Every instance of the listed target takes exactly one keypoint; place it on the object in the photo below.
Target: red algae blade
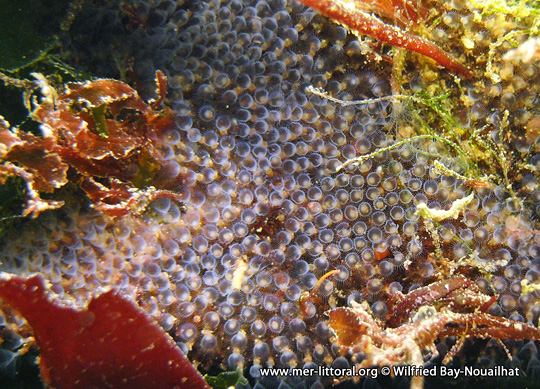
(111, 343)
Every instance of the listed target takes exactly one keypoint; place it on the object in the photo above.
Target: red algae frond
(103, 131)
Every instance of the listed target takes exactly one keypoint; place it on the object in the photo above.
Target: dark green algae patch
(28, 29)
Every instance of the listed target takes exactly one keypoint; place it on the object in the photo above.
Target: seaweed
(102, 131)
(112, 342)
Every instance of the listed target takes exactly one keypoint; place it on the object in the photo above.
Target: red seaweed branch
(458, 293)
(419, 324)
(353, 14)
